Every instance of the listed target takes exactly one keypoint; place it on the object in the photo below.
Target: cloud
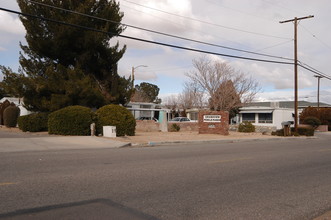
(226, 23)
(10, 24)
(288, 95)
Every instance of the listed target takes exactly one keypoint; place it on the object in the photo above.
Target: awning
(256, 111)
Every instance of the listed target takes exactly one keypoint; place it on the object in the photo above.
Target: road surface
(278, 179)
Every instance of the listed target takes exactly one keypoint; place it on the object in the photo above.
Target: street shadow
(91, 209)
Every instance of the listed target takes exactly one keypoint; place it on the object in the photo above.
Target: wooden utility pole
(295, 20)
(318, 90)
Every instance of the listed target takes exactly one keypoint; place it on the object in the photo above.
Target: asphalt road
(278, 179)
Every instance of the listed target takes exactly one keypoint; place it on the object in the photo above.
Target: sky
(245, 25)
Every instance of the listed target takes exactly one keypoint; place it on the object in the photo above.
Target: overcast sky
(241, 24)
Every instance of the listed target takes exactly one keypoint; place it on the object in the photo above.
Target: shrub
(306, 131)
(72, 120)
(312, 121)
(323, 114)
(246, 127)
(115, 115)
(174, 128)
(279, 132)
(10, 116)
(33, 122)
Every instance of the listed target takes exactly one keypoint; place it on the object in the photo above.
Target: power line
(276, 45)
(315, 71)
(161, 33)
(282, 7)
(144, 40)
(160, 43)
(314, 36)
(209, 23)
(239, 11)
(177, 24)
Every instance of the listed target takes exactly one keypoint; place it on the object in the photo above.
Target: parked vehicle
(180, 119)
(147, 118)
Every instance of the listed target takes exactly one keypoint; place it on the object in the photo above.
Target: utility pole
(295, 20)
(318, 90)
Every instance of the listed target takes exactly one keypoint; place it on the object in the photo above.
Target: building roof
(16, 101)
(286, 104)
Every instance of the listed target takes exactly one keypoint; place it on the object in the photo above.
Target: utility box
(109, 131)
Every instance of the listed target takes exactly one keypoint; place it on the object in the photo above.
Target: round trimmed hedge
(115, 115)
(72, 120)
(34, 122)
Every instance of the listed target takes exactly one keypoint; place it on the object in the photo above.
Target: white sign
(212, 118)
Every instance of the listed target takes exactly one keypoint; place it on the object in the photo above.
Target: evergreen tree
(146, 92)
(65, 65)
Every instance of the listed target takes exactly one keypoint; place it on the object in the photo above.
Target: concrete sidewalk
(57, 143)
(14, 140)
(187, 137)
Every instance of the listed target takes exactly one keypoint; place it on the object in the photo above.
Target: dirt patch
(17, 130)
(145, 137)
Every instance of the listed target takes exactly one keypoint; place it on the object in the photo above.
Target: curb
(162, 143)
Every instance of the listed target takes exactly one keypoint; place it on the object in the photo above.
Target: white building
(146, 110)
(18, 102)
(272, 114)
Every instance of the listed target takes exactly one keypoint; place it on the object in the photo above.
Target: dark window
(265, 118)
(194, 116)
(249, 117)
(145, 106)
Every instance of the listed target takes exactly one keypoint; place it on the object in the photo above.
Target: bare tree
(191, 97)
(171, 102)
(227, 88)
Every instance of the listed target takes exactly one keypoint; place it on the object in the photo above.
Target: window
(145, 106)
(249, 117)
(194, 116)
(265, 118)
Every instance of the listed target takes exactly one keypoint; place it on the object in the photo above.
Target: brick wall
(185, 126)
(214, 127)
(146, 126)
(152, 126)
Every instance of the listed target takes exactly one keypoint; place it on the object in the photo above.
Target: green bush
(34, 122)
(72, 120)
(10, 116)
(174, 128)
(23, 123)
(279, 132)
(305, 131)
(115, 115)
(312, 121)
(246, 127)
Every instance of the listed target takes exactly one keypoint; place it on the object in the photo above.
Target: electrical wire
(161, 33)
(313, 70)
(314, 36)
(239, 11)
(163, 44)
(144, 40)
(209, 23)
(178, 25)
